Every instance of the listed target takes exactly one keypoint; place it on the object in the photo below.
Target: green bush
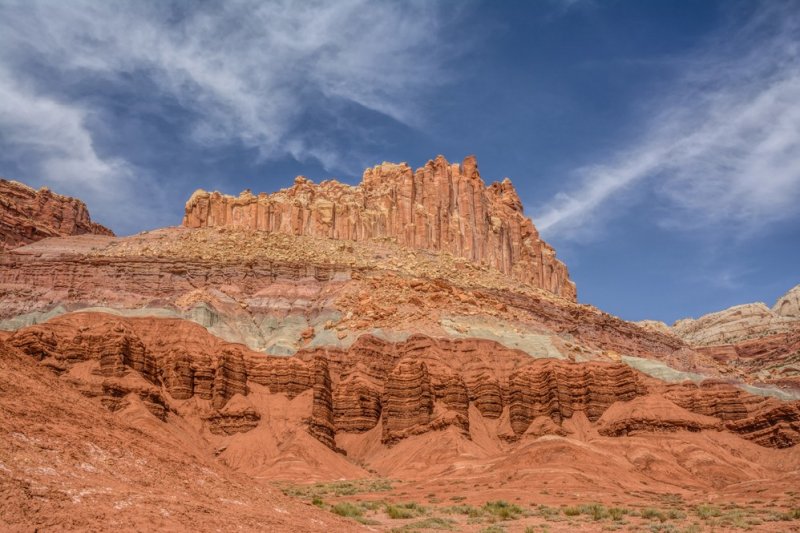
(404, 510)
(617, 513)
(503, 510)
(347, 509)
(651, 513)
(706, 511)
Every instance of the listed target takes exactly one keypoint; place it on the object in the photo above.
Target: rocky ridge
(308, 357)
(408, 388)
(28, 215)
(440, 207)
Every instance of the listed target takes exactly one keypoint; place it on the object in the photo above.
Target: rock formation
(414, 327)
(742, 322)
(788, 305)
(652, 413)
(28, 215)
(441, 207)
(751, 340)
(413, 387)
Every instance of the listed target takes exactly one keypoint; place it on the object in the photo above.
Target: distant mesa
(28, 215)
(441, 207)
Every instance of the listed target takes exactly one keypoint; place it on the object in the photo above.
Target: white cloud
(51, 140)
(723, 154)
(247, 70)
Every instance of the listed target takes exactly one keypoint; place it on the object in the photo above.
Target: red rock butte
(28, 215)
(441, 207)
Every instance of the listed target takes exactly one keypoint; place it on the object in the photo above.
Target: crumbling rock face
(651, 413)
(776, 426)
(356, 404)
(237, 416)
(28, 215)
(772, 358)
(411, 387)
(556, 390)
(322, 425)
(717, 399)
(408, 399)
(441, 207)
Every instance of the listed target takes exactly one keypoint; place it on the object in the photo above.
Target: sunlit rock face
(28, 215)
(440, 207)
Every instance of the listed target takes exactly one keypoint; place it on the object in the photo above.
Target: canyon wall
(28, 215)
(409, 388)
(440, 207)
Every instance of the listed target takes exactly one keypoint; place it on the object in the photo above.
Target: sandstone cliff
(403, 388)
(28, 215)
(742, 322)
(440, 207)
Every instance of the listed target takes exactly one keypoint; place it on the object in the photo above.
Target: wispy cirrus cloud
(247, 72)
(721, 152)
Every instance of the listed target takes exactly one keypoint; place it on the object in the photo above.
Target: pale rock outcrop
(788, 305)
(735, 324)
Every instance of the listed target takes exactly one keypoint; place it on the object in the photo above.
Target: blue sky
(656, 145)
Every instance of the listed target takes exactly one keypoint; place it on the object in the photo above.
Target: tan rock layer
(441, 207)
(28, 215)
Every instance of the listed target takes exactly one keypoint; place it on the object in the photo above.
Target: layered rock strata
(442, 207)
(742, 322)
(410, 387)
(28, 215)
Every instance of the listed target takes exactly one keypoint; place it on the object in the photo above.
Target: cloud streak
(723, 154)
(248, 72)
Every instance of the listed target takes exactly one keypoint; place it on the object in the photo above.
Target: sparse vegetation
(503, 510)
(494, 528)
(548, 513)
(347, 509)
(404, 510)
(337, 488)
(652, 513)
(572, 511)
(705, 511)
(428, 523)
(463, 509)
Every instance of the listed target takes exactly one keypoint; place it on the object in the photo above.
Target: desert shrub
(337, 488)
(347, 509)
(652, 513)
(428, 523)
(465, 509)
(675, 514)
(706, 511)
(617, 513)
(404, 510)
(572, 511)
(595, 510)
(503, 510)
(548, 513)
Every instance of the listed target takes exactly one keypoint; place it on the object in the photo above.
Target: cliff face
(409, 388)
(440, 207)
(28, 215)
